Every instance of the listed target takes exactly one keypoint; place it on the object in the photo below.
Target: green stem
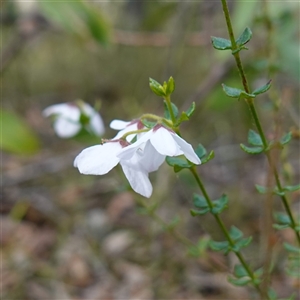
(255, 115)
(223, 228)
(168, 101)
(133, 132)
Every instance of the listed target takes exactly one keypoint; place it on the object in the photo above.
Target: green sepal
(291, 248)
(167, 113)
(251, 150)
(235, 233)
(195, 212)
(239, 271)
(219, 205)
(236, 93)
(178, 163)
(286, 138)
(209, 157)
(292, 188)
(199, 201)
(200, 151)
(220, 43)
(245, 37)
(262, 89)
(191, 110)
(170, 86)
(240, 281)
(261, 189)
(219, 246)
(156, 88)
(148, 124)
(282, 218)
(254, 138)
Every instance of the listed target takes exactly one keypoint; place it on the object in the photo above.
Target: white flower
(71, 117)
(126, 127)
(138, 159)
(160, 141)
(100, 159)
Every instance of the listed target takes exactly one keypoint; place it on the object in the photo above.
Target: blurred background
(70, 236)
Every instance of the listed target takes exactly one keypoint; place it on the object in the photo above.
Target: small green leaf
(200, 151)
(199, 201)
(167, 114)
(183, 117)
(156, 88)
(178, 163)
(261, 189)
(272, 294)
(236, 93)
(231, 92)
(243, 243)
(254, 138)
(195, 212)
(240, 271)
(292, 188)
(219, 246)
(220, 204)
(170, 86)
(239, 282)
(251, 150)
(209, 157)
(258, 273)
(220, 43)
(235, 233)
(245, 37)
(191, 109)
(291, 248)
(279, 193)
(286, 138)
(282, 218)
(174, 222)
(262, 89)
(200, 248)
(280, 227)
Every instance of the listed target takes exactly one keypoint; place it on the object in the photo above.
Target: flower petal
(187, 149)
(149, 158)
(163, 142)
(99, 159)
(129, 151)
(118, 124)
(138, 180)
(65, 110)
(97, 125)
(65, 128)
